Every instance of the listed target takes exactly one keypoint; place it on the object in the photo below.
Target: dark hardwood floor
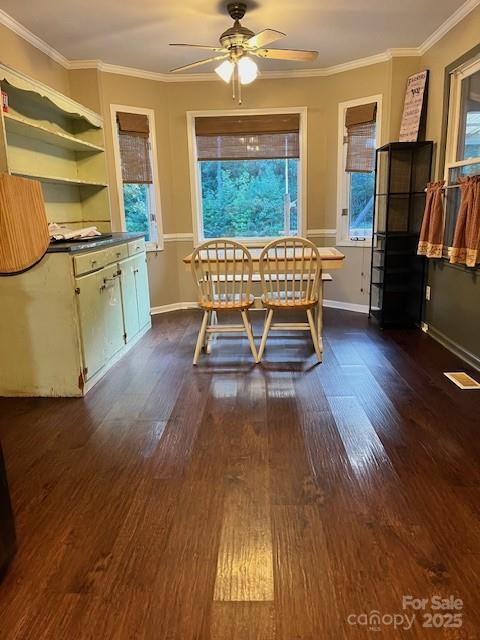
(241, 502)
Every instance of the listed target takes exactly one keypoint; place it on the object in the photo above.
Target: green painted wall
(453, 313)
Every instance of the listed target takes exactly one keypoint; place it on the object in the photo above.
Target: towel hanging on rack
(465, 248)
(431, 234)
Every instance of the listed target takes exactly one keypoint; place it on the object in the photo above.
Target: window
(248, 172)
(359, 134)
(463, 137)
(136, 171)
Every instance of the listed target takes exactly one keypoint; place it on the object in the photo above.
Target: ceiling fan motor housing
(234, 37)
(236, 10)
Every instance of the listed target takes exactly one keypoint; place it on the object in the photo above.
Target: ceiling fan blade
(287, 54)
(197, 46)
(198, 63)
(264, 37)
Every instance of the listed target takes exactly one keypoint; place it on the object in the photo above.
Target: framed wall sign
(414, 108)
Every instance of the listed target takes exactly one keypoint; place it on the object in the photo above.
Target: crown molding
(461, 13)
(264, 75)
(451, 22)
(32, 39)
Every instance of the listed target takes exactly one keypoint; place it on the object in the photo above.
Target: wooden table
(331, 258)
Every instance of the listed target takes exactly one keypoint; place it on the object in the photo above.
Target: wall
(453, 313)
(168, 279)
(19, 54)
(454, 290)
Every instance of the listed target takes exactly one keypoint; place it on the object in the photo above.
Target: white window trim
(343, 239)
(195, 187)
(453, 129)
(114, 109)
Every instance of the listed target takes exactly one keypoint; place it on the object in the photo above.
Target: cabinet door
(143, 294)
(112, 311)
(129, 297)
(90, 311)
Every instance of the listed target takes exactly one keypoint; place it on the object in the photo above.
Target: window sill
(360, 244)
(252, 243)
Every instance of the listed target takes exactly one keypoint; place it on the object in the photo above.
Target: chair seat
(228, 301)
(287, 300)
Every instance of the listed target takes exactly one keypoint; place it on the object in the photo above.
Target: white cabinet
(114, 306)
(88, 289)
(141, 286)
(112, 312)
(101, 317)
(135, 294)
(66, 321)
(129, 297)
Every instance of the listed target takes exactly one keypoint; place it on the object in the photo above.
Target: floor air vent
(463, 380)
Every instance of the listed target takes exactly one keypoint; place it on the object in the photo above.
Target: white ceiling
(136, 33)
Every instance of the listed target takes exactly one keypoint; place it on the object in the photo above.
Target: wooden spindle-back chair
(222, 270)
(291, 271)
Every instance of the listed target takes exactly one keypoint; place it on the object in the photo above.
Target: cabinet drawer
(119, 252)
(89, 261)
(136, 246)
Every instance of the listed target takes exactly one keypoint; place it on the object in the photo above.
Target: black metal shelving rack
(397, 281)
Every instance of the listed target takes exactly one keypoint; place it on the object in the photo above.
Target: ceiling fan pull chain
(239, 86)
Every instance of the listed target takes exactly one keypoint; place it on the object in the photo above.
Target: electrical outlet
(428, 293)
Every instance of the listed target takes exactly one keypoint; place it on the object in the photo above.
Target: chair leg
(266, 329)
(313, 331)
(206, 338)
(248, 329)
(201, 337)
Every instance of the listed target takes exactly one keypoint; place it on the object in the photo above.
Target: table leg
(319, 311)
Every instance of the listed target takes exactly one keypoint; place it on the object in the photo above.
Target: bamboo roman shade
(248, 137)
(360, 122)
(134, 134)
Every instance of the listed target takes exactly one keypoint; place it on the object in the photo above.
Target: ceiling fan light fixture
(247, 70)
(225, 70)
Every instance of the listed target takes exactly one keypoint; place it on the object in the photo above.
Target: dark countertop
(90, 245)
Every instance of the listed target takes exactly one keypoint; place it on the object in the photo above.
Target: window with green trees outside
(137, 205)
(248, 170)
(249, 198)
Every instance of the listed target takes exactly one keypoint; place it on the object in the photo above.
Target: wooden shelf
(20, 126)
(75, 182)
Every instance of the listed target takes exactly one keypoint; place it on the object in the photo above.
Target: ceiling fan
(238, 44)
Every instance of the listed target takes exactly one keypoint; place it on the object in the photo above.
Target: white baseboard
(346, 306)
(176, 306)
(334, 304)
